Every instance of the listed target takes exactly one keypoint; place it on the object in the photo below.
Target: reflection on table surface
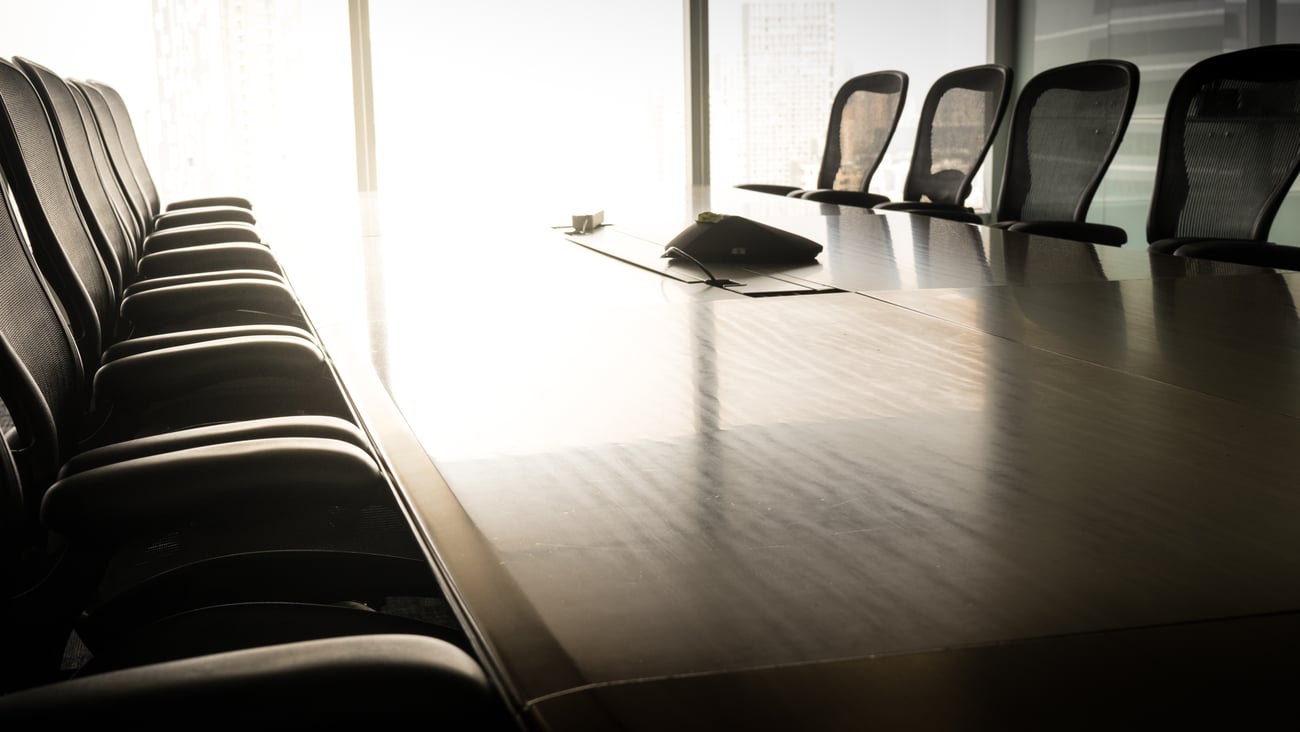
(985, 439)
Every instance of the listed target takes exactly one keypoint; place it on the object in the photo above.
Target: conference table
(944, 477)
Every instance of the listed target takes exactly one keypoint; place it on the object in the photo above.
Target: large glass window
(533, 110)
(775, 66)
(243, 97)
(1164, 38)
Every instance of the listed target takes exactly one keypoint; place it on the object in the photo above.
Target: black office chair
(1067, 125)
(197, 225)
(135, 172)
(864, 116)
(232, 246)
(323, 679)
(94, 283)
(317, 684)
(217, 537)
(1229, 152)
(961, 115)
(108, 214)
(33, 170)
(211, 438)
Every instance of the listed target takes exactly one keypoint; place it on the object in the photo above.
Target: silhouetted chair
(89, 278)
(136, 171)
(959, 119)
(220, 533)
(197, 225)
(1067, 125)
(320, 683)
(864, 116)
(1229, 152)
(226, 245)
(201, 537)
(162, 677)
(107, 212)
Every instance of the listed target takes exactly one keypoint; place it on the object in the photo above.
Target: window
(775, 66)
(533, 110)
(1164, 38)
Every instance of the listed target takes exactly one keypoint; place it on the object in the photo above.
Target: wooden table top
(991, 466)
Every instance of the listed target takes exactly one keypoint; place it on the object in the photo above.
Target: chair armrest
(226, 481)
(188, 236)
(768, 188)
(144, 344)
(359, 679)
(199, 277)
(237, 201)
(203, 215)
(211, 382)
(332, 428)
(1074, 230)
(845, 198)
(1257, 253)
(213, 303)
(167, 373)
(1173, 244)
(923, 206)
(949, 211)
(207, 258)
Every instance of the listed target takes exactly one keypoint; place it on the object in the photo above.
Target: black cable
(711, 279)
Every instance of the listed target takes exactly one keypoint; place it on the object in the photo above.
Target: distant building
(788, 51)
(218, 84)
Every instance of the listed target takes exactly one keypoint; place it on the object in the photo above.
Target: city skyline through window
(775, 66)
(567, 105)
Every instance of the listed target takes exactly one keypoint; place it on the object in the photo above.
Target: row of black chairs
(1229, 150)
(196, 527)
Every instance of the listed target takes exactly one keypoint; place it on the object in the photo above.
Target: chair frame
(1277, 62)
(883, 82)
(1092, 75)
(877, 82)
(965, 78)
(919, 168)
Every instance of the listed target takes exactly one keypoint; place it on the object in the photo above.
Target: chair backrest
(118, 157)
(961, 115)
(1230, 146)
(102, 215)
(864, 116)
(51, 217)
(1067, 125)
(132, 153)
(42, 380)
(104, 167)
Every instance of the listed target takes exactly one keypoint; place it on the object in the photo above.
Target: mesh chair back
(104, 167)
(1230, 146)
(41, 373)
(117, 154)
(132, 154)
(1067, 125)
(961, 115)
(116, 246)
(864, 116)
(50, 214)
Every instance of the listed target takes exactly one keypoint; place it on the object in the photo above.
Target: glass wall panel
(245, 97)
(775, 65)
(535, 110)
(1164, 38)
